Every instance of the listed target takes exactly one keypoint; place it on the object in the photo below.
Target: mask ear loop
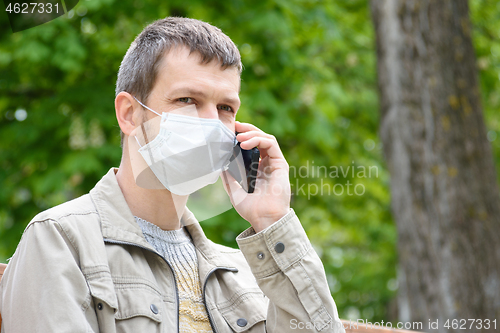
(138, 101)
(135, 137)
(142, 125)
(144, 134)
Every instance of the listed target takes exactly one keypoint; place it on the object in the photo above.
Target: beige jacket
(85, 266)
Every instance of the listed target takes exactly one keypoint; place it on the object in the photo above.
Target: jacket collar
(118, 224)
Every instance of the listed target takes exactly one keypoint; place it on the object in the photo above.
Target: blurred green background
(309, 79)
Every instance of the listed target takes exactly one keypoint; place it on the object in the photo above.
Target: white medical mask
(189, 152)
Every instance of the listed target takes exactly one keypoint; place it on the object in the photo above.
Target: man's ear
(124, 107)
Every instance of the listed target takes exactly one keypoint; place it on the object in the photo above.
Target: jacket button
(154, 309)
(242, 322)
(260, 255)
(99, 306)
(279, 247)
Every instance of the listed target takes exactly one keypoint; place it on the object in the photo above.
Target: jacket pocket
(104, 302)
(139, 310)
(246, 313)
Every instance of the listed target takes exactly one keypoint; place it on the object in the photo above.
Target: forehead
(180, 67)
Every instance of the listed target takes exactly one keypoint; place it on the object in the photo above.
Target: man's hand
(271, 198)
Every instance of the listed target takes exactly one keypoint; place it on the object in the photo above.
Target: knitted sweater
(177, 247)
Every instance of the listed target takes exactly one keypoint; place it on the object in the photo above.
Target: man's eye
(225, 108)
(185, 100)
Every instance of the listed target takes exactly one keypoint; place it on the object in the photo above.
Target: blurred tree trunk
(445, 197)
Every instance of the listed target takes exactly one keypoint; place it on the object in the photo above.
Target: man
(130, 257)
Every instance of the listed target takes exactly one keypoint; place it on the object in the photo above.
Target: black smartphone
(244, 165)
(251, 160)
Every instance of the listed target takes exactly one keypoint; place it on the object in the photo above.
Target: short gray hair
(139, 68)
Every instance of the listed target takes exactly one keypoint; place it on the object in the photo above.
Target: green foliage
(485, 15)
(309, 79)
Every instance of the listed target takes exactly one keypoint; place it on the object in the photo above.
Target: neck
(158, 206)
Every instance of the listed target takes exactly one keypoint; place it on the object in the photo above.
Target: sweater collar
(118, 224)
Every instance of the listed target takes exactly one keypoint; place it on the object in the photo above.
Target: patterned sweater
(177, 247)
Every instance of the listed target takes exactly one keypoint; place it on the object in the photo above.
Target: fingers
(250, 134)
(245, 127)
(267, 144)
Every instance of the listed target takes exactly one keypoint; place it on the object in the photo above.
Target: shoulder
(69, 233)
(81, 206)
(73, 219)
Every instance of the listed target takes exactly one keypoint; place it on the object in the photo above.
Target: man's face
(182, 80)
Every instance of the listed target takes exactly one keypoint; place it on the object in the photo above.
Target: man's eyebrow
(187, 92)
(230, 100)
